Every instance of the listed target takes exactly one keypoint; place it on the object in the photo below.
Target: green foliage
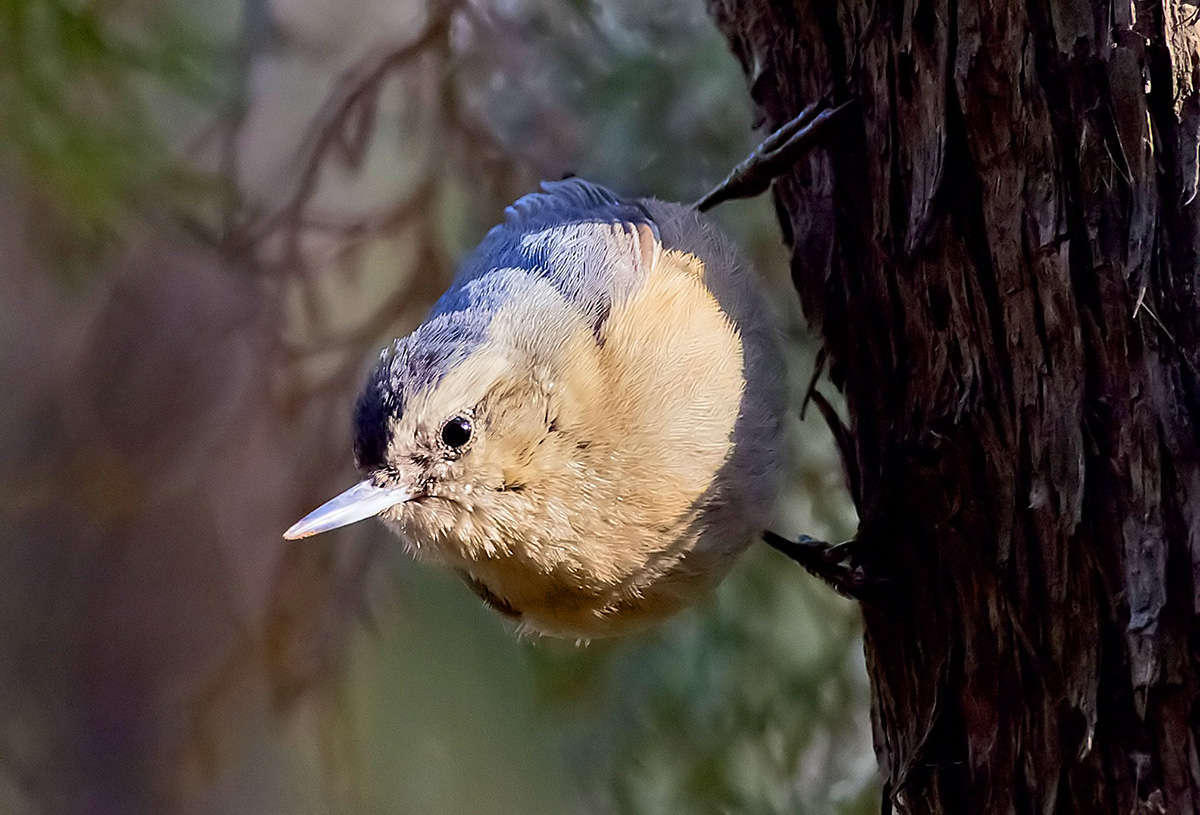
(77, 124)
(666, 107)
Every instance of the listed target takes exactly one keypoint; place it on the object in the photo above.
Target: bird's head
(463, 431)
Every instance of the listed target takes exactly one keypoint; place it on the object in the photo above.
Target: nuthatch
(588, 425)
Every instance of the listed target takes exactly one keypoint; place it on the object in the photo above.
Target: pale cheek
(440, 531)
(400, 524)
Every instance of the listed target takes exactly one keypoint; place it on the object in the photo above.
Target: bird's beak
(361, 501)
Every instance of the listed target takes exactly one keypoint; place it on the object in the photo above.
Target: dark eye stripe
(456, 432)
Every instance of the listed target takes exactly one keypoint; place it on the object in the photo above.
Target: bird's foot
(776, 155)
(838, 565)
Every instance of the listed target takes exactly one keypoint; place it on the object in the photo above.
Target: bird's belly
(558, 603)
(570, 614)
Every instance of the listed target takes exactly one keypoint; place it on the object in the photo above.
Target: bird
(588, 425)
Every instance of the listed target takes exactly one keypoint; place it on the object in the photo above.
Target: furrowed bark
(1000, 249)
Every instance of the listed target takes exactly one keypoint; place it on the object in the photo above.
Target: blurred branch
(258, 31)
(343, 126)
(341, 133)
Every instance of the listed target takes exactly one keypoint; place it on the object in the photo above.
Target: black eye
(456, 432)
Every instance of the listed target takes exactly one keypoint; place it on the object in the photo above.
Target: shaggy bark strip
(1000, 248)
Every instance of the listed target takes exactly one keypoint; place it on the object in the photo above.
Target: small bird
(588, 425)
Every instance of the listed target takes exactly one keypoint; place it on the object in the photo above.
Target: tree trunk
(1000, 247)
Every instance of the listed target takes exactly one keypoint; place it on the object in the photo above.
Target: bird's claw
(776, 155)
(835, 564)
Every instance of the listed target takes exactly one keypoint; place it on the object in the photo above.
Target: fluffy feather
(620, 372)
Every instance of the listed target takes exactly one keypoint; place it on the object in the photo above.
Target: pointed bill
(361, 501)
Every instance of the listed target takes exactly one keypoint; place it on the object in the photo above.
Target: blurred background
(212, 215)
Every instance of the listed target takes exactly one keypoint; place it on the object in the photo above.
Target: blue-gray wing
(592, 245)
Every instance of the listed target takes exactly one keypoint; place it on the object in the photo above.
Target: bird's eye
(456, 432)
